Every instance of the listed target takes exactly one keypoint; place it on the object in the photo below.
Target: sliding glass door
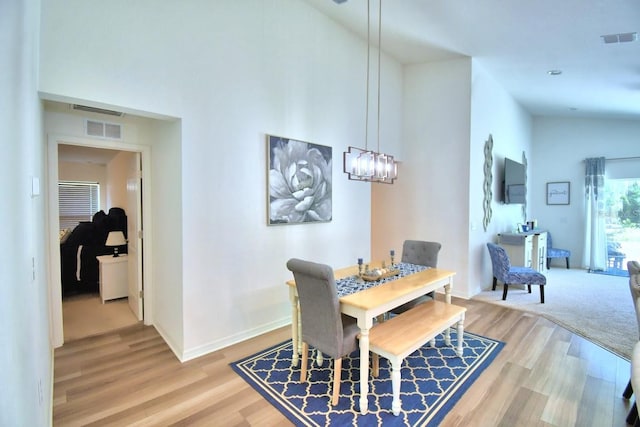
(622, 219)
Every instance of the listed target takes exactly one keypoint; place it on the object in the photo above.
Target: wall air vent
(97, 110)
(103, 129)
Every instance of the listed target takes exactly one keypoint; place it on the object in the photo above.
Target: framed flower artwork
(299, 181)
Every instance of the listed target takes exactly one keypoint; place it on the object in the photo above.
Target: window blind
(78, 201)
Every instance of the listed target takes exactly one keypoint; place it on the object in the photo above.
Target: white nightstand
(113, 277)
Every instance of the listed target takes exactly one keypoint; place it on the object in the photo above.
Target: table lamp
(115, 239)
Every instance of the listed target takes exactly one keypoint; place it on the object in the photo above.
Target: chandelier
(364, 164)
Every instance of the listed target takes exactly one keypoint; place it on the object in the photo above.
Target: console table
(528, 249)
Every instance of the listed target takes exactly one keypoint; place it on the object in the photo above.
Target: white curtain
(595, 248)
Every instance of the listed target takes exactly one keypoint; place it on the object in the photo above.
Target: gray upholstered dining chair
(323, 326)
(508, 275)
(420, 253)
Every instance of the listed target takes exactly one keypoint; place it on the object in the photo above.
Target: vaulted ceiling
(519, 42)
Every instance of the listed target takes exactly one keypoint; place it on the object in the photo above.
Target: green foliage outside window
(629, 215)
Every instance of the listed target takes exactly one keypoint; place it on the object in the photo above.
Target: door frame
(55, 281)
(134, 228)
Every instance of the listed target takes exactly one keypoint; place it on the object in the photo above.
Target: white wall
(450, 108)
(559, 147)
(494, 112)
(233, 72)
(90, 172)
(118, 170)
(167, 267)
(112, 177)
(429, 201)
(26, 357)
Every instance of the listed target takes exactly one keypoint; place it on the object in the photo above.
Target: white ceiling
(518, 42)
(80, 154)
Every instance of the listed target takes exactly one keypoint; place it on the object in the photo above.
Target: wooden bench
(401, 335)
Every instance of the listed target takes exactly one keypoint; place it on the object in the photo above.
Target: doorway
(135, 261)
(84, 315)
(101, 191)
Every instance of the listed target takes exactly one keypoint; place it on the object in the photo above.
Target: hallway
(84, 316)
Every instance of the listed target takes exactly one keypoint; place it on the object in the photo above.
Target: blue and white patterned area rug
(433, 380)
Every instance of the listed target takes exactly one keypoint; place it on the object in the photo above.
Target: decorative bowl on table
(379, 273)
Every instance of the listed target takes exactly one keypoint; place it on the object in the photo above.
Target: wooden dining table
(368, 304)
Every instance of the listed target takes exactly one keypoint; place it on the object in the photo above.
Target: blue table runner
(350, 285)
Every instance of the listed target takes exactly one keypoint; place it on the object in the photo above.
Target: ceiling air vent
(103, 129)
(620, 38)
(97, 110)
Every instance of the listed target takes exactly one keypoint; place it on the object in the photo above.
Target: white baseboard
(201, 350)
(173, 346)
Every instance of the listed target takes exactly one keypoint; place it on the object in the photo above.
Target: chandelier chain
(366, 127)
(364, 164)
(379, 56)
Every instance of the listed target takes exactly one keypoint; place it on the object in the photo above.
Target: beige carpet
(595, 306)
(85, 315)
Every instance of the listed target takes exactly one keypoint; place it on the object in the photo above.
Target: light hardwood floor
(544, 376)
(85, 315)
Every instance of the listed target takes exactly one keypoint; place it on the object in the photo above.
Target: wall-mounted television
(515, 188)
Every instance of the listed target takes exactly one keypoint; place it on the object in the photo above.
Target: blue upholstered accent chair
(508, 275)
(555, 252)
(324, 327)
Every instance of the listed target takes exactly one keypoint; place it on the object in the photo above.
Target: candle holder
(392, 253)
(360, 279)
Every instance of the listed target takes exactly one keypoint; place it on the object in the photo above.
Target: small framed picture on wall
(558, 193)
